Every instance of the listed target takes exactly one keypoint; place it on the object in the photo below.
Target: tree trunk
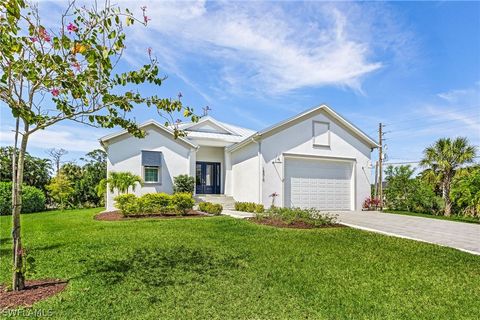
(446, 196)
(18, 281)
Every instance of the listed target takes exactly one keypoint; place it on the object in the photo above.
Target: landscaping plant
(404, 192)
(183, 183)
(249, 207)
(212, 208)
(122, 181)
(70, 67)
(371, 203)
(290, 216)
(60, 190)
(154, 203)
(465, 192)
(32, 198)
(183, 202)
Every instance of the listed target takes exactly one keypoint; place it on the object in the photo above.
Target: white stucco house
(314, 159)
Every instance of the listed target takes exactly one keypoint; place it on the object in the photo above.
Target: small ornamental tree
(123, 181)
(61, 190)
(69, 72)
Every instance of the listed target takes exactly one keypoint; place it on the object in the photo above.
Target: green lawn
(426, 215)
(222, 268)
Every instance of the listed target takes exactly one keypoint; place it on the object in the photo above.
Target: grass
(431, 216)
(223, 268)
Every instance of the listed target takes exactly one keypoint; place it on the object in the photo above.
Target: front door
(207, 178)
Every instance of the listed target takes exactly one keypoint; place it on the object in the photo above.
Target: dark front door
(207, 177)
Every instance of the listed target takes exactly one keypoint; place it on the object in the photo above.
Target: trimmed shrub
(183, 202)
(127, 204)
(33, 199)
(259, 208)
(212, 208)
(249, 207)
(155, 202)
(183, 184)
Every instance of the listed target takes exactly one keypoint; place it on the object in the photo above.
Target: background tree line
(449, 183)
(72, 185)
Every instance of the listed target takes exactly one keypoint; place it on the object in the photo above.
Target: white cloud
(456, 113)
(264, 47)
(70, 138)
(271, 48)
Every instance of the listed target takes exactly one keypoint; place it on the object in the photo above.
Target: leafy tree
(61, 190)
(86, 178)
(400, 186)
(404, 192)
(74, 174)
(465, 192)
(37, 170)
(68, 73)
(123, 181)
(445, 156)
(94, 170)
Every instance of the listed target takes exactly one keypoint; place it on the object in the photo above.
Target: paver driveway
(459, 235)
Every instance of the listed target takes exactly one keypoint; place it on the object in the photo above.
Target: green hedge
(212, 208)
(154, 203)
(249, 207)
(33, 199)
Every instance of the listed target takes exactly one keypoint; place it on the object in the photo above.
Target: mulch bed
(116, 215)
(35, 290)
(295, 225)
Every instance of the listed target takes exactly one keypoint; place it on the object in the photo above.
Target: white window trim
(313, 134)
(159, 175)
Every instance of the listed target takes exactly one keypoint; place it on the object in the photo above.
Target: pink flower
(33, 39)
(149, 50)
(44, 34)
(55, 92)
(76, 65)
(145, 17)
(72, 27)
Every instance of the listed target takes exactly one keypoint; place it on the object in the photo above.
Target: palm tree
(444, 157)
(122, 181)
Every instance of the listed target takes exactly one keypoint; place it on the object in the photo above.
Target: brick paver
(459, 235)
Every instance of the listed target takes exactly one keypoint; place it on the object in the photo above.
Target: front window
(151, 174)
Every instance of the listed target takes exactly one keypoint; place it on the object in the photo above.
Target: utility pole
(380, 163)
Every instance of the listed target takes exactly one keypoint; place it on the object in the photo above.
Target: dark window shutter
(151, 158)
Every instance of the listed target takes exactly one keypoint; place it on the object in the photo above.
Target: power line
(418, 161)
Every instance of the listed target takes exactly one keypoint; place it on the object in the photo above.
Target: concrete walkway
(458, 235)
(237, 214)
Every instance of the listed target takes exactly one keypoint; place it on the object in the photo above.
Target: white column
(227, 177)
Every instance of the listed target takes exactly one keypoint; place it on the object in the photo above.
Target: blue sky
(414, 66)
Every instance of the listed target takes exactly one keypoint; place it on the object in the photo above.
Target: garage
(319, 183)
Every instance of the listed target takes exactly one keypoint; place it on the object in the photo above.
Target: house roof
(154, 123)
(238, 136)
(285, 123)
(228, 128)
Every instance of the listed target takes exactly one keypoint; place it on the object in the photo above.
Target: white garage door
(321, 184)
